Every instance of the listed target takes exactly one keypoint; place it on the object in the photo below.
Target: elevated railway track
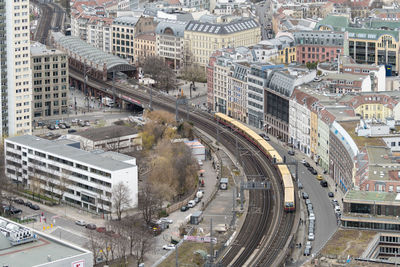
(267, 231)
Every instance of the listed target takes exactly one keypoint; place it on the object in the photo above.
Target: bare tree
(35, 184)
(159, 71)
(143, 243)
(121, 198)
(193, 73)
(105, 242)
(149, 202)
(62, 186)
(93, 243)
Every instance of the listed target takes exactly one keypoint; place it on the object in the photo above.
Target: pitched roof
(222, 28)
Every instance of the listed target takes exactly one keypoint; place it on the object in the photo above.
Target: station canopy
(92, 54)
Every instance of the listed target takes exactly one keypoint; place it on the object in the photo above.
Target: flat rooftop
(38, 252)
(372, 197)
(39, 49)
(109, 132)
(361, 141)
(69, 152)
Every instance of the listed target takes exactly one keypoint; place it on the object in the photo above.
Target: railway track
(266, 229)
(51, 17)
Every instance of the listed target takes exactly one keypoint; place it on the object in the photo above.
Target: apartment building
(99, 34)
(318, 46)
(50, 82)
(343, 83)
(16, 88)
(237, 91)
(124, 30)
(81, 178)
(170, 43)
(145, 46)
(202, 38)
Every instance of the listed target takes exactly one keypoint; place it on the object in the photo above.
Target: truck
(109, 102)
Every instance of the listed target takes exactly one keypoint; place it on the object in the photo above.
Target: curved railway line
(266, 246)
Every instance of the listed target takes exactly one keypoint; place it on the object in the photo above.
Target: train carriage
(269, 151)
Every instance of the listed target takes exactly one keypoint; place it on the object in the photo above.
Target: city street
(326, 223)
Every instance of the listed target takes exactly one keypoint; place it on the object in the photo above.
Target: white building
(88, 177)
(15, 71)
(300, 120)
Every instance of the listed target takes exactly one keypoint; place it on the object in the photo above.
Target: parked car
(19, 201)
(303, 161)
(305, 195)
(184, 208)
(101, 229)
(62, 126)
(311, 224)
(311, 217)
(266, 137)
(90, 226)
(197, 200)
(71, 131)
(319, 177)
(191, 203)
(337, 209)
(87, 123)
(330, 194)
(308, 201)
(323, 183)
(307, 251)
(169, 247)
(291, 152)
(310, 168)
(35, 207)
(67, 125)
(311, 236)
(81, 123)
(306, 164)
(300, 185)
(167, 220)
(12, 210)
(51, 127)
(80, 222)
(313, 171)
(56, 126)
(335, 202)
(28, 204)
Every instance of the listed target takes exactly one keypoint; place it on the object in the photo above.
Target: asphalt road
(69, 230)
(326, 223)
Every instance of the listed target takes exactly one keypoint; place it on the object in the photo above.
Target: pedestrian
(335, 189)
(300, 245)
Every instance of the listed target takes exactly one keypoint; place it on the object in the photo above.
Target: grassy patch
(186, 255)
(348, 242)
(38, 196)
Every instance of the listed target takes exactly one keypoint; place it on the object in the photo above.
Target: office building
(203, 38)
(15, 71)
(50, 82)
(62, 170)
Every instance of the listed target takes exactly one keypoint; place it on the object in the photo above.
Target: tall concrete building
(15, 72)
(50, 82)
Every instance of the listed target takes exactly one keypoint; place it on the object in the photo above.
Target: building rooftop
(335, 22)
(126, 21)
(69, 152)
(222, 28)
(108, 132)
(360, 141)
(91, 54)
(39, 252)
(39, 49)
(344, 76)
(371, 196)
(176, 28)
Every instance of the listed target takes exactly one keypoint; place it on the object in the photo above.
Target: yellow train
(269, 151)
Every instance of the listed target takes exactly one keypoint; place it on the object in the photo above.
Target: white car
(191, 203)
(312, 217)
(303, 161)
(308, 244)
(311, 236)
(167, 220)
(80, 222)
(169, 247)
(337, 209)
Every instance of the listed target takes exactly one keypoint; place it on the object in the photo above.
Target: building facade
(50, 82)
(202, 38)
(318, 46)
(124, 30)
(145, 46)
(170, 43)
(15, 69)
(60, 169)
(237, 91)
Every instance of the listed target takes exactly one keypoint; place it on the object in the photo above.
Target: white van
(191, 203)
